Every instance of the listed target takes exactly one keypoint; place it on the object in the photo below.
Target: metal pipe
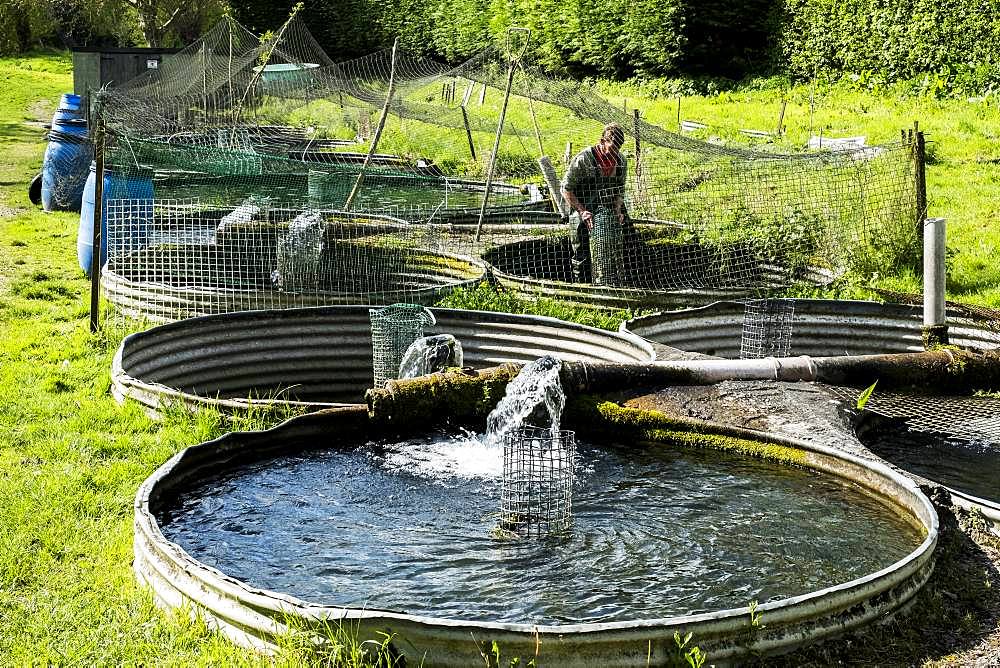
(934, 272)
(943, 370)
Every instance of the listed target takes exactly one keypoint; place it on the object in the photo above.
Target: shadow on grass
(21, 132)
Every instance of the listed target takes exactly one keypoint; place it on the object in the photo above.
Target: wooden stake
(568, 155)
(638, 147)
(468, 93)
(97, 236)
(515, 58)
(259, 70)
(468, 132)
(378, 129)
(781, 118)
(538, 133)
(482, 95)
(678, 112)
(920, 175)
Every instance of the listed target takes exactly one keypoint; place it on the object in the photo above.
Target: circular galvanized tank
(429, 276)
(254, 617)
(320, 357)
(820, 328)
(541, 267)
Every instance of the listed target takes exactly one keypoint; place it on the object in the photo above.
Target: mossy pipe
(464, 396)
(942, 371)
(459, 395)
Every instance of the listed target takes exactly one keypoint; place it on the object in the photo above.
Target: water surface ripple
(657, 532)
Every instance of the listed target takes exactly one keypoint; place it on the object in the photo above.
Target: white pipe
(802, 368)
(934, 272)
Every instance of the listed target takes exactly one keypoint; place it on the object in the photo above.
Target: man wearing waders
(594, 190)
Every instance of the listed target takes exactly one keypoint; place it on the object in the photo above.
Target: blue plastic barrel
(64, 167)
(132, 219)
(69, 108)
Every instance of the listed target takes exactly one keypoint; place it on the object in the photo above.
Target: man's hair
(614, 133)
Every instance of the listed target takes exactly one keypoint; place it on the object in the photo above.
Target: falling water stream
(430, 354)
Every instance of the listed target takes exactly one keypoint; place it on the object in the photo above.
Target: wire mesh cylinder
(607, 245)
(536, 493)
(767, 328)
(394, 329)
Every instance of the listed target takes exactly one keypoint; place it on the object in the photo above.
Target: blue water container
(132, 219)
(69, 108)
(64, 167)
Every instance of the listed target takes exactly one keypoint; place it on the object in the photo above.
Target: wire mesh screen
(173, 259)
(394, 329)
(536, 492)
(233, 117)
(951, 440)
(767, 328)
(969, 418)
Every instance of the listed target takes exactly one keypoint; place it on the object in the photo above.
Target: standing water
(657, 530)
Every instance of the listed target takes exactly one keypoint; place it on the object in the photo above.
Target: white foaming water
(250, 208)
(536, 386)
(470, 455)
(463, 456)
(429, 354)
(299, 252)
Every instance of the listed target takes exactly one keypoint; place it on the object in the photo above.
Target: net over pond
(657, 531)
(395, 133)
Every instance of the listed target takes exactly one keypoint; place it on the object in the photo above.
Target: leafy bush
(942, 46)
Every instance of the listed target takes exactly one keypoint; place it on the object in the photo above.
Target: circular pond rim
(612, 297)
(862, 327)
(253, 617)
(513, 338)
(162, 303)
(990, 509)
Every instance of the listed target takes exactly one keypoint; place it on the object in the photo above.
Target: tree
(161, 21)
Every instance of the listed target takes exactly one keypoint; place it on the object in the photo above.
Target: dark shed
(95, 67)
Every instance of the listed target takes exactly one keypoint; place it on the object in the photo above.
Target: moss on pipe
(459, 396)
(616, 422)
(943, 371)
(467, 397)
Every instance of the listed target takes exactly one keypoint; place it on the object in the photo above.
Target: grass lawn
(71, 458)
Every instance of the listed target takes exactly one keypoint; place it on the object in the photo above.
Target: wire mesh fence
(232, 117)
(173, 259)
(536, 491)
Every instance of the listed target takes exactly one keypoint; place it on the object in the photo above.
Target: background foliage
(939, 47)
